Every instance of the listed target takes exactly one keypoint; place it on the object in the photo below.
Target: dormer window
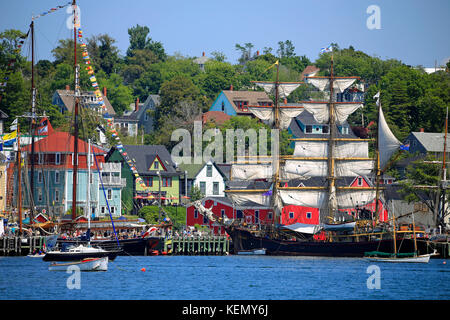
(241, 105)
(308, 129)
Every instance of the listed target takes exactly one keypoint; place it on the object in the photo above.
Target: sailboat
(80, 252)
(313, 177)
(413, 257)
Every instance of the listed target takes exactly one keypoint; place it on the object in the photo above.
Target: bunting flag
(51, 10)
(119, 146)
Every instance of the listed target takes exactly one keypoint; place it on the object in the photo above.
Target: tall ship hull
(245, 240)
(133, 247)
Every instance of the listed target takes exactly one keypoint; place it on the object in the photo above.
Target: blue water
(227, 278)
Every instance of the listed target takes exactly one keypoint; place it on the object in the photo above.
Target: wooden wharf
(208, 245)
(20, 246)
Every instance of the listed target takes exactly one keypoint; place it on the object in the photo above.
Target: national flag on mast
(327, 49)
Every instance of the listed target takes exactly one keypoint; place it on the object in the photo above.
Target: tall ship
(352, 219)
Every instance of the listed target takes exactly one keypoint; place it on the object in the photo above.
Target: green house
(155, 166)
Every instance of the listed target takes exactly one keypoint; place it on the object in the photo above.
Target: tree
(139, 41)
(424, 172)
(286, 49)
(104, 54)
(219, 56)
(246, 52)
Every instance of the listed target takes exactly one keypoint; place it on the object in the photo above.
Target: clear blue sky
(415, 32)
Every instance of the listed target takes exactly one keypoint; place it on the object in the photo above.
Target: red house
(251, 213)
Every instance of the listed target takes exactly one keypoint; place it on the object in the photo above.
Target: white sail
(251, 171)
(343, 149)
(267, 114)
(320, 111)
(319, 168)
(339, 85)
(344, 199)
(284, 89)
(303, 228)
(388, 143)
(241, 198)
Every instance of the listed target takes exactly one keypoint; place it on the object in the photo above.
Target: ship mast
(19, 180)
(377, 164)
(76, 91)
(32, 122)
(331, 141)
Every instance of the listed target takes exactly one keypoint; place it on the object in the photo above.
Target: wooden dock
(209, 245)
(19, 246)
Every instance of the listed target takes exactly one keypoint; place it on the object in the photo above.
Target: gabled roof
(67, 98)
(309, 71)
(3, 115)
(61, 142)
(217, 117)
(431, 141)
(144, 155)
(215, 166)
(306, 118)
(253, 98)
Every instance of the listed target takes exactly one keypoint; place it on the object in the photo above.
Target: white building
(210, 180)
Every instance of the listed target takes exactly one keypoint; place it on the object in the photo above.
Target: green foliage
(151, 214)
(196, 194)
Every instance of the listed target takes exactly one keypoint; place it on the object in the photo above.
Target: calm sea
(228, 278)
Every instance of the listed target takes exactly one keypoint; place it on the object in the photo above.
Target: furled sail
(342, 149)
(284, 88)
(319, 168)
(241, 198)
(339, 85)
(267, 114)
(248, 171)
(320, 111)
(388, 143)
(344, 199)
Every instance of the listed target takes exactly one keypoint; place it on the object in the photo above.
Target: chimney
(104, 91)
(422, 130)
(136, 106)
(203, 53)
(67, 87)
(285, 101)
(231, 88)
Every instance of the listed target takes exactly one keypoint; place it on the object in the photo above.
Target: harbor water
(227, 278)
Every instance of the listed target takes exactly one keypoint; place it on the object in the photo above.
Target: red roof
(218, 117)
(309, 71)
(61, 142)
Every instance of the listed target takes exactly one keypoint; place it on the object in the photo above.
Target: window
(360, 182)
(291, 215)
(325, 129)
(241, 105)
(209, 170)
(308, 129)
(91, 178)
(195, 214)
(269, 216)
(56, 195)
(239, 214)
(113, 210)
(73, 157)
(149, 181)
(41, 158)
(40, 195)
(256, 216)
(57, 158)
(203, 187)
(102, 210)
(56, 177)
(166, 182)
(109, 194)
(39, 176)
(308, 215)
(156, 165)
(215, 188)
(205, 219)
(223, 106)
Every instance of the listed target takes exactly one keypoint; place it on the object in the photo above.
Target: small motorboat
(88, 264)
(261, 251)
(36, 255)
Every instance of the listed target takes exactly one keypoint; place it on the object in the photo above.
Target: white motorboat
(89, 264)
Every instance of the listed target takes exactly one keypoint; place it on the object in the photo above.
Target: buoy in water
(445, 262)
(143, 269)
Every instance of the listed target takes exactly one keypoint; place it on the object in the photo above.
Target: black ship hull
(69, 256)
(244, 240)
(133, 247)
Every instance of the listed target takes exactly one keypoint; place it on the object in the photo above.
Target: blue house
(235, 103)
